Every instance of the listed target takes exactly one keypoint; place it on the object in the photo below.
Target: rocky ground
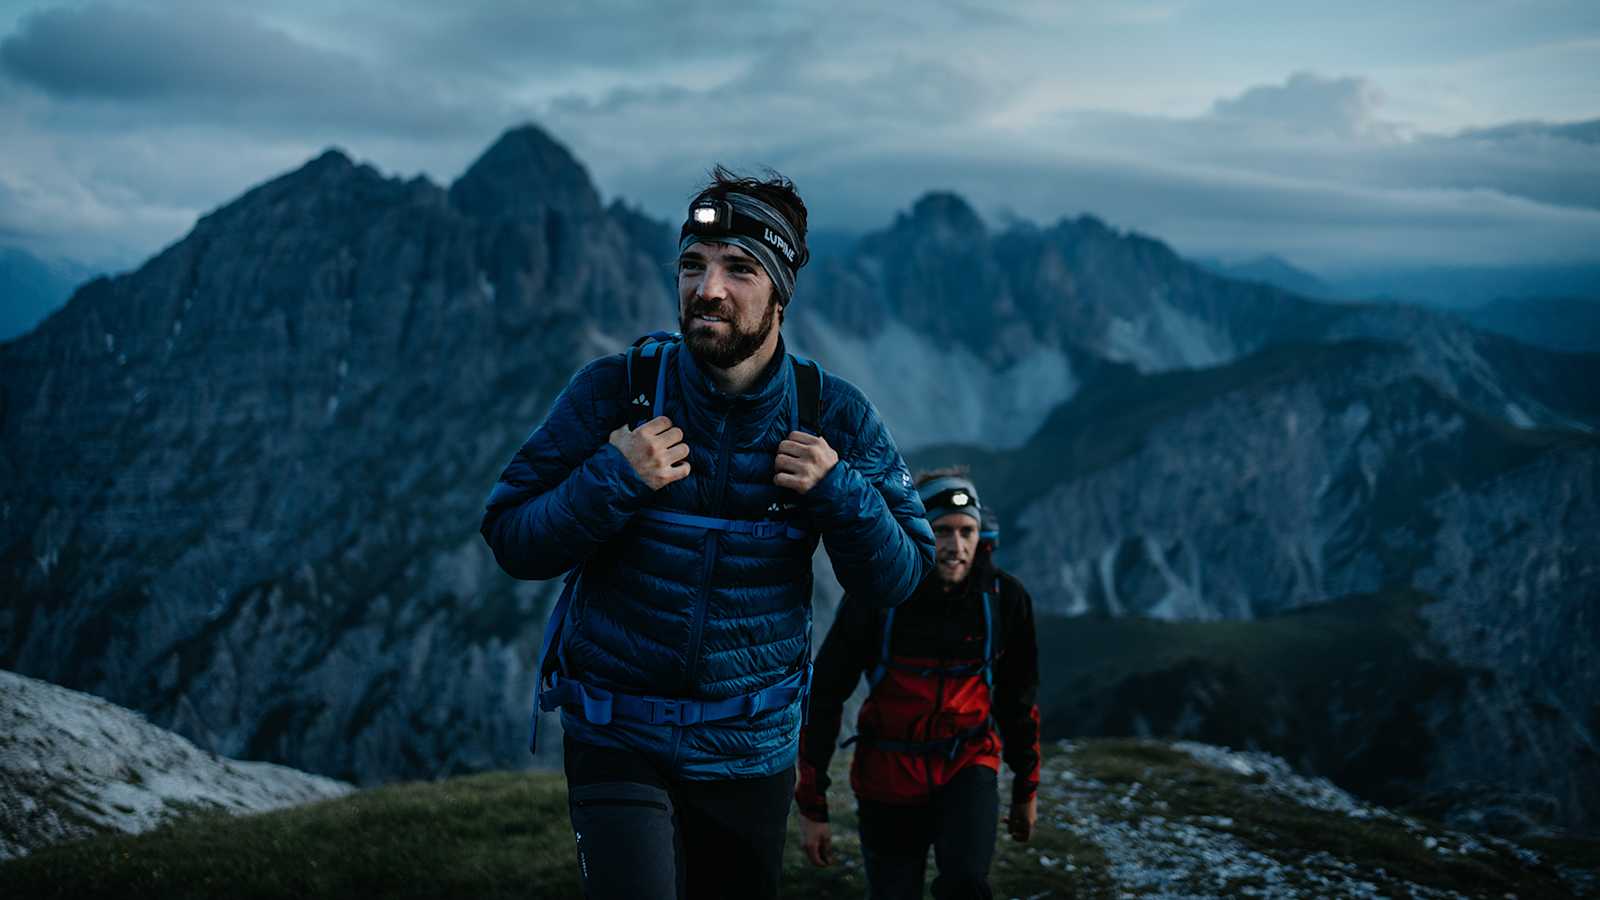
(1188, 820)
(75, 766)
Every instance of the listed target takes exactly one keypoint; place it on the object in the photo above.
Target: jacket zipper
(697, 635)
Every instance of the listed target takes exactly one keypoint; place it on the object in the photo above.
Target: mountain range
(244, 479)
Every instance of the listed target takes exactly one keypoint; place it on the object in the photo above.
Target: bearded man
(683, 487)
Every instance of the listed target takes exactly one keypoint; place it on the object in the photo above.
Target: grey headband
(765, 234)
(948, 495)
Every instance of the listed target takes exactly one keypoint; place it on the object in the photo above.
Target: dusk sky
(1339, 136)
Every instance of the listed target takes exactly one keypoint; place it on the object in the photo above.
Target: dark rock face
(1291, 477)
(1077, 284)
(243, 482)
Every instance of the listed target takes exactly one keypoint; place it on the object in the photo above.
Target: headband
(753, 226)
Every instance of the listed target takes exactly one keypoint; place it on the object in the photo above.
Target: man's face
(955, 539)
(727, 308)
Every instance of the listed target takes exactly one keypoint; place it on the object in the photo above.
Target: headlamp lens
(959, 498)
(705, 215)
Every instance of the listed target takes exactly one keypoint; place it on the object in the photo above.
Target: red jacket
(932, 711)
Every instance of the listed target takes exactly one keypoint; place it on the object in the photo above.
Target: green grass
(507, 835)
(482, 836)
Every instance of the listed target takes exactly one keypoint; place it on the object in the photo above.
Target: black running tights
(643, 836)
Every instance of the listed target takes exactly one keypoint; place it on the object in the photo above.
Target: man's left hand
(802, 461)
(1024, 816)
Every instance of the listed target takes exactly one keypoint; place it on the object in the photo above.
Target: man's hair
(927, 475)
(774, 190)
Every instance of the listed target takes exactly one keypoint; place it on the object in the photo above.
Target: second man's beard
(724, 352)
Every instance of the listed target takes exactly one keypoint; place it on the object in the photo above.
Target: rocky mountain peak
(523, 174)
(945, 216)
(326, 171)
(332, 158)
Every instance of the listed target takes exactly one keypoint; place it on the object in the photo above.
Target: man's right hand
(817, 841)
(655, 450)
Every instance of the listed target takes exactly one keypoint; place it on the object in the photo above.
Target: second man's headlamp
(951, 494)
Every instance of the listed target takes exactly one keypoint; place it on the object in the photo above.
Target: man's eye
(688, 265)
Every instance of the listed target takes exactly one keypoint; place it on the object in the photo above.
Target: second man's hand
(816, 839)
(1024, 818)
(802, 461)
(655, 450)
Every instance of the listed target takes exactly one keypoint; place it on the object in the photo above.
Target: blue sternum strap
(598, 706)
(759, 528)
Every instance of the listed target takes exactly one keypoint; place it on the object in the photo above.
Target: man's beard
(724, 352)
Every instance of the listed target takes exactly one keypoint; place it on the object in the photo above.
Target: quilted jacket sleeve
(567, 490)
(1016, 692)
(871, 519)
(845, 654)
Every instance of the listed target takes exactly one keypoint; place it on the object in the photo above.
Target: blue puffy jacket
(679, 611)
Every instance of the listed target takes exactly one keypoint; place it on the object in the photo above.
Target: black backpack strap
(644, 376)
(808, 395)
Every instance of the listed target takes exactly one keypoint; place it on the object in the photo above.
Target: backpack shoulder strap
(646, 375)
(881, 667)
(808, 395)
(989, 650)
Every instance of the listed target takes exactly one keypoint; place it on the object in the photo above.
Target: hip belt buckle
(664, 711)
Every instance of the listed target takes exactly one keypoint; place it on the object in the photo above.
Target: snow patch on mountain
(940, 395)
(73, 765)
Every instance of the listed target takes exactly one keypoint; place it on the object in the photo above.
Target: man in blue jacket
(685, 509)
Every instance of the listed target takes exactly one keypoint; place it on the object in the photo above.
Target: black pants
(645, 836)
(960, 823)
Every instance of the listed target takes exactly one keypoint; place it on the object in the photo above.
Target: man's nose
(712, 285)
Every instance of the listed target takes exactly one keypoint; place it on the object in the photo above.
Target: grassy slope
(1286, 684)
(506, 835)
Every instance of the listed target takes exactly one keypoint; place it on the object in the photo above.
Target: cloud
(1309, 104)
(120, 119)
(203, 63)
(636, 36)
(1582, 132)
(1327, 225)
(1307, 168)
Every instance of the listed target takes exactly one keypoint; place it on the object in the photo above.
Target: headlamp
(957, 498)
(950, 494)
(711, 216)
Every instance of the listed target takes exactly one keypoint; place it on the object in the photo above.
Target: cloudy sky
(1340, 136)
